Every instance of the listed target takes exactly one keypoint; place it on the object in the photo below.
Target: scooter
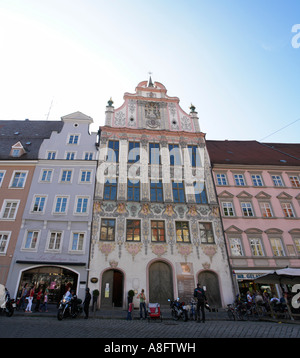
(179, 310)
(7, 305)
(65, 308)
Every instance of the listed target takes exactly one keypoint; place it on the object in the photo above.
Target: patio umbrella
(283, 276)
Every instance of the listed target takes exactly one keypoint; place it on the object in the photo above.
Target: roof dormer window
(17, 150)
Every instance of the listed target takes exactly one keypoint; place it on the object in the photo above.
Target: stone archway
(210, 280)
(160, 282)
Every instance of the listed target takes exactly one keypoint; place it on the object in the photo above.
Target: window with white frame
(77, 241)
(256, 247)
(31, 240)
(277, 180)
(70, 155)
(38, 203)
(227, 207)
(247, 209)
(51, 154)
(66, 176)
(206, 233)
(60, 206)
(85, 176)
(4, 240)
(18, 179)
(266, 210)
(88, 155)
(54, 241)
(9, 209)
(294, 179)
(221, 179)
(236, 246)
(277, 247)
(297, 244)
(239, 179)
(82, 205)
(288, 210)
(2, 173)
(73, 139)
(46, 175)
(257, 180)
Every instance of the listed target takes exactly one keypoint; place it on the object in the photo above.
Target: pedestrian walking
(86, 302)
(24, 294)
(199, 293)
(38, 299)
(30, 299)
(44, 307)
(142, 298)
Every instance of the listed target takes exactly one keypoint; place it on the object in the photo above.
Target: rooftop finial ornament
(110, 102)
(192, 108)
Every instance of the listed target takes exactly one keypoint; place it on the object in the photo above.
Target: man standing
(142, 298)
(199, 293)
(86, 302)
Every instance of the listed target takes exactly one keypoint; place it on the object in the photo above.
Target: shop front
(54, 279)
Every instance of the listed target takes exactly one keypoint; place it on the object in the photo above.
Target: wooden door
(160, 283)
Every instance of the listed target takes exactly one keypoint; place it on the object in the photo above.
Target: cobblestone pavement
(26, 326)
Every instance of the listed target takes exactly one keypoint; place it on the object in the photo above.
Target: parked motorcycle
(179, 310)
(65, 308)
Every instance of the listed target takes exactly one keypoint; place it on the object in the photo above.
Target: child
(129, 313)
(44, 305)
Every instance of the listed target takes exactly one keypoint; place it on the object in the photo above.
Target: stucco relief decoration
(133, 248)
(106, 248)
(121, 209)
(184, 250)
(97, 207)
(120, 119)
(159, 249)
(186, 124)
(152, 113)
(145, 210)
(113, 264)
(209, 250)
(169, 211)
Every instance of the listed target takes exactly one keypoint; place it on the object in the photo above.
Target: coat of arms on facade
(152, 114)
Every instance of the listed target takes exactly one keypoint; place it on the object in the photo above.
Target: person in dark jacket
(199, 293)
(86, 302)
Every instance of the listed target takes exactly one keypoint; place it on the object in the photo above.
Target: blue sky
(233, 60)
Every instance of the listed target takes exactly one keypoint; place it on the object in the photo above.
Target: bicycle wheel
(230, 315)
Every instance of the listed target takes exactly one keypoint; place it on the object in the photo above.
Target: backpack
(199, 293)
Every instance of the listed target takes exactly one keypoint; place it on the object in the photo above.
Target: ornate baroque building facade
(156, 222)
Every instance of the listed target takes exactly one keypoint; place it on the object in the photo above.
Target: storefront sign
(248, 276)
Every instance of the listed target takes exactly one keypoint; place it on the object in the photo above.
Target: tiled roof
(253, 153)
(30, 133)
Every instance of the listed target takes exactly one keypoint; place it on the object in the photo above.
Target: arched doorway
(210, 280)
(160, 282)
(112, 288)
(55, 279)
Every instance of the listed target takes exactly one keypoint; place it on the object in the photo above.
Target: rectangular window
(194, 156)
(158, 231)
(82, 205)
(61, 205)
(133, 152)
(239, 179)
(256, 247)
(110, 189)
(39, 204)
(200, 193)
(227, 209)
(88, 156)
(70, 156)
(2, 173)
(9, 209)
(256, 180)
(221, 179)
(19, 180)
(31, 239)
(266, 210)
(85, 176)
(277, 180)
(178, 192)
(156, 191)
(175, 155)
(277, 247)
(133, 190)
(182, 231)
(55, 241)
(46, 175)
(107, 232)
(51, 155)
(73, 139)
(295, 181)
(113, 151)
(206, 233)
(133, 232)
(236, 247)
(288, 210)
(154, 153)
(77, 241)
(66, 176)
(4, 239)
(247, 209)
